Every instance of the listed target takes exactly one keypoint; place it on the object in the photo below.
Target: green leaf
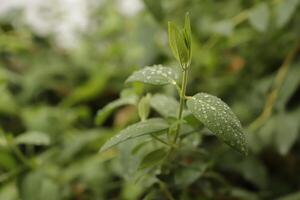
(138, 147)
(180, 42)
(33, 138)
(3, 142)
(219, 118)
(188, 35)
(80, 140)
(259, 17)
(9, 191)
(8, 104)
(185, 176)
(31, 185)
(131, 190)
(174, 33)
(7, 161)
(91, 88)
(183, 51)
(284, 11)
(263, 137)
(166, 106)
(144, 107)
(289, 86)
(253, 170)
(109, 108)
(7, 75)
(36, 185)
(280, 131)
(155, 75)
(286, 132)
(156, 9)
(292, 196)
(239, 193)
(153, 158)
(224, 27)
(129, 162)
(149, 126)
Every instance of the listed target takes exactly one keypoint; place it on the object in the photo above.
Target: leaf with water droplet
(155, 75)
(149, 126)
(218, 117)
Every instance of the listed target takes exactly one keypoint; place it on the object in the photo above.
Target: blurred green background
(61, 61)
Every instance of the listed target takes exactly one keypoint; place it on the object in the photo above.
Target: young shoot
(166, 131)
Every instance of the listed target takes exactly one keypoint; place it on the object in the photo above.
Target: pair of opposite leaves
(210, 110)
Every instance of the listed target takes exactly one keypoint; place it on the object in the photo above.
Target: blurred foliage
(50, 97)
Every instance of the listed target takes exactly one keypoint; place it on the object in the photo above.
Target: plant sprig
(208, 109)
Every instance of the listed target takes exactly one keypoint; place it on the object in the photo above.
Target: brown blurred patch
(237, 63)
(78, 190)
(125, 115)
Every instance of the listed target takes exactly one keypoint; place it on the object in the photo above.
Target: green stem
(165, 190)
(19, 153)
(182, 98)
(162, 141)
(273, 95)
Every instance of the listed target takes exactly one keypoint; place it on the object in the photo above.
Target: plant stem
(165, 190)
(182, 100)
(162, 141)
(272, 96)
(19, 154)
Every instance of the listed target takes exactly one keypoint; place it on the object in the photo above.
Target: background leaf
(103, 113)
(259, 17)
(286, 132)
(33, 138)
(289, 87)
(224, 27)
(156, 9)
(293, 196)
(188, 175)
(280, 132)
(284, 11)
(36, 185)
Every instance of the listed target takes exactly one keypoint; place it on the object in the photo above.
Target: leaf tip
(102, 149)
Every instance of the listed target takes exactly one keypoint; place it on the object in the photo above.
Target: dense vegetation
(58, 105)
